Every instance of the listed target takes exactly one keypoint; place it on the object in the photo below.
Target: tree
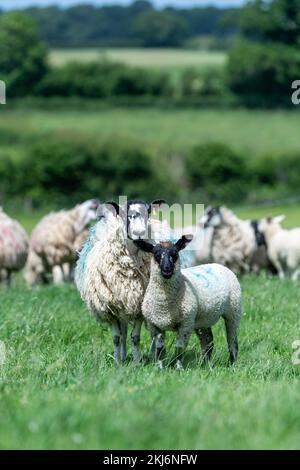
(262, 67)
(159, 29)
(22, 55)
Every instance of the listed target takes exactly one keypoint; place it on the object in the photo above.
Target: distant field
(160, 58)
(164, 131)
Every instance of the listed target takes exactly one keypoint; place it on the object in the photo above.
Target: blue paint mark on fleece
(84, 252)
(205, 274)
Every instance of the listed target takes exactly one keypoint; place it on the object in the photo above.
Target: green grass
(254, 132)
(171, 59)
(59, 386)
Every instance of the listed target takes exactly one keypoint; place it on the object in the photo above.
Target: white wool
(14, 245)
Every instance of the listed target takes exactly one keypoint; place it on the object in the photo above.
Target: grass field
(171, 59)
(61, 389)
(164, 131)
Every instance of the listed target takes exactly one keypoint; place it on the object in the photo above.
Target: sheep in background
(55, 241)
(283, 246)
(112, 273)
(199, 250)
(14, 245)
(235, 243)
(188, 300)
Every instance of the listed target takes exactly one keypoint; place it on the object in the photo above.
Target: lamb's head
(85, 214)
(166, 254)
(212, 217)
(135, 215)
(271, 225)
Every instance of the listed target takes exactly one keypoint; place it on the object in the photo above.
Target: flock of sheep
(132, 269)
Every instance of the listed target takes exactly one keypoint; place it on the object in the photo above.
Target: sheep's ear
(279, 218)
(183, 242)
(115, 206)
(144, 246)
(155, 205)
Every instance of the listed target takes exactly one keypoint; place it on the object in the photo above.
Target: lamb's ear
(155, 205)
(183, 242)
(115, 206)
(279, 218)
(144, 246)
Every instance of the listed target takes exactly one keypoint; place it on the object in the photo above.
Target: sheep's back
(14, 244)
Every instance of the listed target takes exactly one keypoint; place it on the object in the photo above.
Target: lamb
(55, 241)
(283, 246)
(188, 300)
(235, 243)
(112, 273)
(14, 245)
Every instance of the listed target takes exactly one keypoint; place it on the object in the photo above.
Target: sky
(5, 4)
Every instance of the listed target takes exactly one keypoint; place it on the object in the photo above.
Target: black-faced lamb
(188, 300)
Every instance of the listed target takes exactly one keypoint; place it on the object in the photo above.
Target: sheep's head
(85, 214)
(135, 215)
(212, 217)
(166, 254)
(271, 225)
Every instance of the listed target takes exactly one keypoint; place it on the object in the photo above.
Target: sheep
(187, 300)
(199, 248)
(112, 273)
(235, 243)
(55, 241)
(283, 246)
(14, 245)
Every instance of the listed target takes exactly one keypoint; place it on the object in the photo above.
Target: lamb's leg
(123, 341)
(135, 340)
(5, 277)
(58, 275)
(158, 349)
(181, 342)
(231, 325)
(206, 339)
(116, 332)
(278, 267)
(295, 275)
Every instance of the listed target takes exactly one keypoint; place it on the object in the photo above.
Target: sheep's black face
(212, 217)
(166, 257)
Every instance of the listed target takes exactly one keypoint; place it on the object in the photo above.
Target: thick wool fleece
(193, 298)
(14, 244)
(112, 274)
(233, 243)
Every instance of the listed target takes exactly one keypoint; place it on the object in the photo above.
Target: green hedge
(63, 169)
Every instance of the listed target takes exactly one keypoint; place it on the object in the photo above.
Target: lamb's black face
(166, 257)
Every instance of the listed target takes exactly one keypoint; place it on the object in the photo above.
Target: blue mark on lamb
(204, 273)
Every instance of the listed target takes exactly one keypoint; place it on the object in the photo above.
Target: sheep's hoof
(179, 366)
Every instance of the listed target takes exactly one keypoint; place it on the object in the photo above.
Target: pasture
(162, 130)
(60, 388)
(163, 59)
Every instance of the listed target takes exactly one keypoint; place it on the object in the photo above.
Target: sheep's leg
(295, 275)
(206, 339)
(158, 349)
(135, 340)
(58, 275)
(182, 339)
(123, 341)
(278, 267)
(6, 277)
(231, 326)
(116, 332)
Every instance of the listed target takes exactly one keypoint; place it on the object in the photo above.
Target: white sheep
(14, 245)
(235, 243)
(188, 300)
(283, 246)
(55, 242)
(112, 273)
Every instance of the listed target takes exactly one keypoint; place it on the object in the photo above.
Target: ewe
(188, 300)
(283, 246)
(14, 244)
(55, 241)
(112, 273)
(235, 243)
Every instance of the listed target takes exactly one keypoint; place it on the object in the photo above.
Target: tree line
(139, 24)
